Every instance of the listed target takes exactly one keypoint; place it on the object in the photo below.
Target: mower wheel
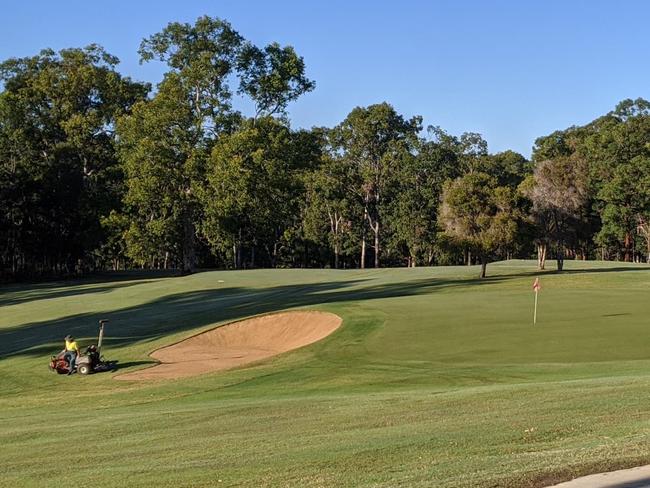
(84, 369)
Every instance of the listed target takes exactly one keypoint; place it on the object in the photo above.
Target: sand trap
(238, 343)
(625, 478)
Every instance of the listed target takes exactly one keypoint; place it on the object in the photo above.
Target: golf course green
(434, 379)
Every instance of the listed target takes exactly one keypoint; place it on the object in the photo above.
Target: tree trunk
(363, 230)
(189, 246)
(237, 250)
(483, 267)
(469, 257)
(376, 231)
(274, 257)
(541, 255)
(336, 255)
(628, 246)
(560, 256)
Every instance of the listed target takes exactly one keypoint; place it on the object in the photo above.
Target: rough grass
(434, 379)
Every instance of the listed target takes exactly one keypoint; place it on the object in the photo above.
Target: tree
(272, 77)
(193, 112)
(643, 229)
(615, 139)
(472, 149)
(374, 140)
(163, 165)
(166, 161)
(508, 167)
(478, 213)
(559, 194)
(415, 194)
(626, 199)
(538, 224)
(330, 206)
(254, 181)
(57, 155)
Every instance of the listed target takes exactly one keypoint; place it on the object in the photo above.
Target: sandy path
(625, 478)
(238, 343)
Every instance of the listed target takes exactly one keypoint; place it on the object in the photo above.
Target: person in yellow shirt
(71, 352)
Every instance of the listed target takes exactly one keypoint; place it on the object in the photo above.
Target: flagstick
(535, 314)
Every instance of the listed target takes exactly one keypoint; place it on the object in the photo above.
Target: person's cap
(68, 337)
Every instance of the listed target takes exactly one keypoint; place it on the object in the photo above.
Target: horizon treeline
(98, 171)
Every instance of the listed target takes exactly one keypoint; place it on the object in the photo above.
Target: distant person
(71, 352)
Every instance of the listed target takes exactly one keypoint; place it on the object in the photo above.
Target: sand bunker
(238, 343)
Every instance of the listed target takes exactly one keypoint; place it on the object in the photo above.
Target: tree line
(98, 171)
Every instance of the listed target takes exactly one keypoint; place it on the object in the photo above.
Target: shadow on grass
(63, 292)
(190, 310)
(14, 294)
(547, 272)
(129, 364)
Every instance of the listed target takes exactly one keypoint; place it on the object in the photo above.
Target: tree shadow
(130, 364)
(95, 278)
(45, 293)
(185, 311)
(555, 272)
(191, 310)
(13, 294)
(598, 270)
(640, 483)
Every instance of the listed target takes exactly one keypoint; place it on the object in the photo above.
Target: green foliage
(332, 211)
(607, 153)
(626, 199)
(375, 142)
(58, 171)
(113, 249)
(253, 185)
(415, 198)
(167, 146)
(162, 163)
(480, 214)
(94, 174)
(272, 77)
(508, 167)
(201, 57)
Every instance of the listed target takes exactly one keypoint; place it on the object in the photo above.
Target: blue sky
(511, 70)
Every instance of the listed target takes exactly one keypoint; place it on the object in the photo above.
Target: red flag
(536, 285)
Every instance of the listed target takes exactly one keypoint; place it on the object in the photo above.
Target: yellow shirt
(71, 346)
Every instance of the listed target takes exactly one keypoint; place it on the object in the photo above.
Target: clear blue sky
(511, 70)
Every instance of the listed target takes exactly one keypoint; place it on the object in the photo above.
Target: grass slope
(434, 379)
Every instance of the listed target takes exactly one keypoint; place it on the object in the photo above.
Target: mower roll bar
(101, 336)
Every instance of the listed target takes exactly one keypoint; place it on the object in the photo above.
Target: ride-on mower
(91, 361)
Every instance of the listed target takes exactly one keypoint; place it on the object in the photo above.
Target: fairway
(435, 378)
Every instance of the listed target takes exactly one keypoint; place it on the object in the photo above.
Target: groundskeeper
(71, 352)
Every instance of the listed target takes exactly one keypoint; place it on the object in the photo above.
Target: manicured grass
(435, 379)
